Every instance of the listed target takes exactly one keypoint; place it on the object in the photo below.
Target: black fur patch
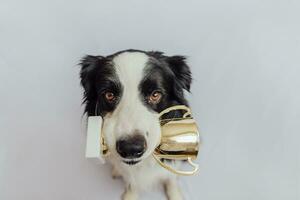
(98, 76)
(169, 75)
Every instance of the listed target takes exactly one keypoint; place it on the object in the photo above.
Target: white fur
(131, 115)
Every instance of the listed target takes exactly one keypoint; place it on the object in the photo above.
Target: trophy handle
(178, 107)
(179, 172)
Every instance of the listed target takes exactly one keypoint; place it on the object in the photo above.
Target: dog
(129, 89)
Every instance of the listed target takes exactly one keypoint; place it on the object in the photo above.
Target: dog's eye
(109, 96)
(155, 97)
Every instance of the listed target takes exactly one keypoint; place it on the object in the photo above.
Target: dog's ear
(181, 70)
(89, 65)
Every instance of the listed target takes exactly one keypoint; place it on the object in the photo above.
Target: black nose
(131, 146)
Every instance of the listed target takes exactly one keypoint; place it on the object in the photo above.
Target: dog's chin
(131, 162)
(136, 161)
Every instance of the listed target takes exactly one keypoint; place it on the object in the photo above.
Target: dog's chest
(145, 175)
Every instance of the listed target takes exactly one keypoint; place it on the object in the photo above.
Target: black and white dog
(128, 89)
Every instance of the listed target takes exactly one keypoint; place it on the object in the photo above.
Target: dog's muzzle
(131, 148)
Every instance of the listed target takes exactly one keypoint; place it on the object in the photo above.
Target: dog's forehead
(130, 67)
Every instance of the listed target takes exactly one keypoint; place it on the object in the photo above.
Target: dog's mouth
(131, 162)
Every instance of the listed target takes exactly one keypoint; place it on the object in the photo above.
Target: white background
(245, 59)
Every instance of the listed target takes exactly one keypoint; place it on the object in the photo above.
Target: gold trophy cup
(179, 140)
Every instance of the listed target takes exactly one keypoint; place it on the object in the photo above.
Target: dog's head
(128, 89)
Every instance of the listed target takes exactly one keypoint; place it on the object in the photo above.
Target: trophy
(179, 140)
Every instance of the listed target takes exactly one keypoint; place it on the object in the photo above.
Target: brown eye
(109, 96)
(155, 97)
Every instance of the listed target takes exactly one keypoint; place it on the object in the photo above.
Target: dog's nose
(131, 146)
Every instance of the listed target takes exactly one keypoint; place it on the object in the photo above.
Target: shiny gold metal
(179, 140)
(176, 171)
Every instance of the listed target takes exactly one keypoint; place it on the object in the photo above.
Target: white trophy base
(93, 141)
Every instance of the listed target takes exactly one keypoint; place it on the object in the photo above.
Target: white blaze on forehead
(129, 67)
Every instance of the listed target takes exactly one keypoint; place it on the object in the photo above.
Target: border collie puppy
(129, 89)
